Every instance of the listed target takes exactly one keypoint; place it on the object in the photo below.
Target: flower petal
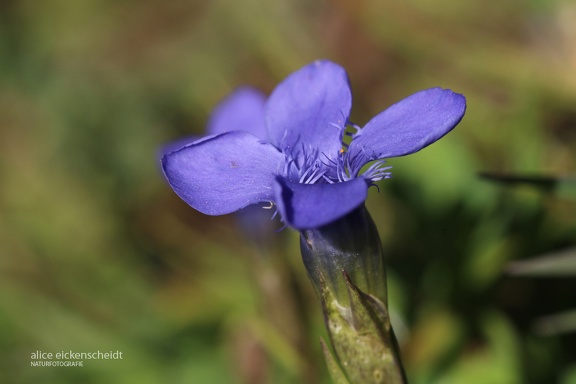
(307, 206)
(242, 110)
(177, 144)
(311, 106)
(224, 173)
(409, 125)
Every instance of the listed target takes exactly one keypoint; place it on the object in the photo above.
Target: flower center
(349, 167)
(307, 165)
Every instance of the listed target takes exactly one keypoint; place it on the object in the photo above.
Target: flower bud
(344, 261)
(350, 244)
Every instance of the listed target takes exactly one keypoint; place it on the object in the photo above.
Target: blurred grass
(96, 252)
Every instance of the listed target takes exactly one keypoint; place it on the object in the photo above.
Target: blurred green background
(98, 253)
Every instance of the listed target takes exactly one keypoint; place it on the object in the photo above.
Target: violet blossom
(289, 149)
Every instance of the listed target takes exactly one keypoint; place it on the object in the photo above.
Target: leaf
(556, 324)
(542, 182)
(562, 263)
(562, 186)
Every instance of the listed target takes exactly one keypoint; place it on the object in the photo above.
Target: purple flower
(289, 149)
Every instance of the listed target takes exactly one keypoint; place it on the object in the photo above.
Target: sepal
(362, 337)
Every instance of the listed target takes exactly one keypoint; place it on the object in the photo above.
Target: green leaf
(560, 186)
(556, 324)
(562, 263)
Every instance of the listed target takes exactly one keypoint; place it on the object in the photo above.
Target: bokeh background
(97, 252)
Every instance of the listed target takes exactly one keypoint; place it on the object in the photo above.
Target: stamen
(328, 180)
(303, 177)
(274, 215)
(377, 171)
(317, 177)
